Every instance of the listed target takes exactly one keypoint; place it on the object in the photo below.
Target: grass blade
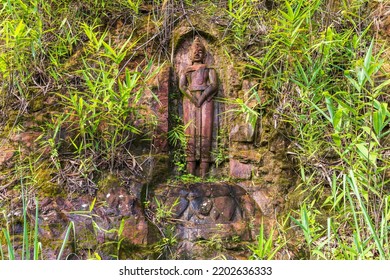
(11, 252)
(367, 218)
(70, 226)
(36, 243)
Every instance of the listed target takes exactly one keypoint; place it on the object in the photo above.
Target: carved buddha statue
(198, 84)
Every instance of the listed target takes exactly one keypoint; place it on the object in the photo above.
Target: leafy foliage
(326, 83)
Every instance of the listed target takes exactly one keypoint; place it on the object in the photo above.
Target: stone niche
(257, 173)
(255, 153)
(182, 39)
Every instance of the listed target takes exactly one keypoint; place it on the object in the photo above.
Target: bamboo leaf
(121, 227)
(66, 238)
(92, 205)
(11, 253)
(366, 154)
(368, 58)
(337, 120)
(329, 106)
(367, 218)
(19, 29)
(36, 232)
(356, 84)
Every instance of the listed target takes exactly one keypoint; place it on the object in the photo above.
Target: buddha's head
(198, 51)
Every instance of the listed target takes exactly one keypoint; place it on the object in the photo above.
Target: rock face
(242, 133)
(114, 223)
(253, 158)
(161, 110)
(97, 224)
(240, 170)
(6, 153)
(203, 210)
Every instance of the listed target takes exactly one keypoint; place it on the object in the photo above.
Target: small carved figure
(198, 84)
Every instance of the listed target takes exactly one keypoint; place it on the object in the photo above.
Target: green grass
(30, 239)
(327, 87)
(265, 247)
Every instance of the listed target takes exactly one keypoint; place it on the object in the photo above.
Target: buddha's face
(198, 55)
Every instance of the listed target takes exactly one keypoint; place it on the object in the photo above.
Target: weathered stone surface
(386, 26)
(247, 85)
(123, 204)
(156, 168)
(240, 170)
(96, 222)
(264, 200)
(251, 155)
(6, 152)
(268, 197)
(208, 209)
(278, 144)
(235, 80)
(161, 110)
(27, 138)
(242, 133)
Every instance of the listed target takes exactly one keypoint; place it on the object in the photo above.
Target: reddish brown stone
(93, 226)
(240, 170)
(250, 155)
(235, 77)
(26, 138)
(161, 110)
(6, 153)
(135, 230)
(209, 209)
(225, 206)
(265, 201)
(242, 133)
